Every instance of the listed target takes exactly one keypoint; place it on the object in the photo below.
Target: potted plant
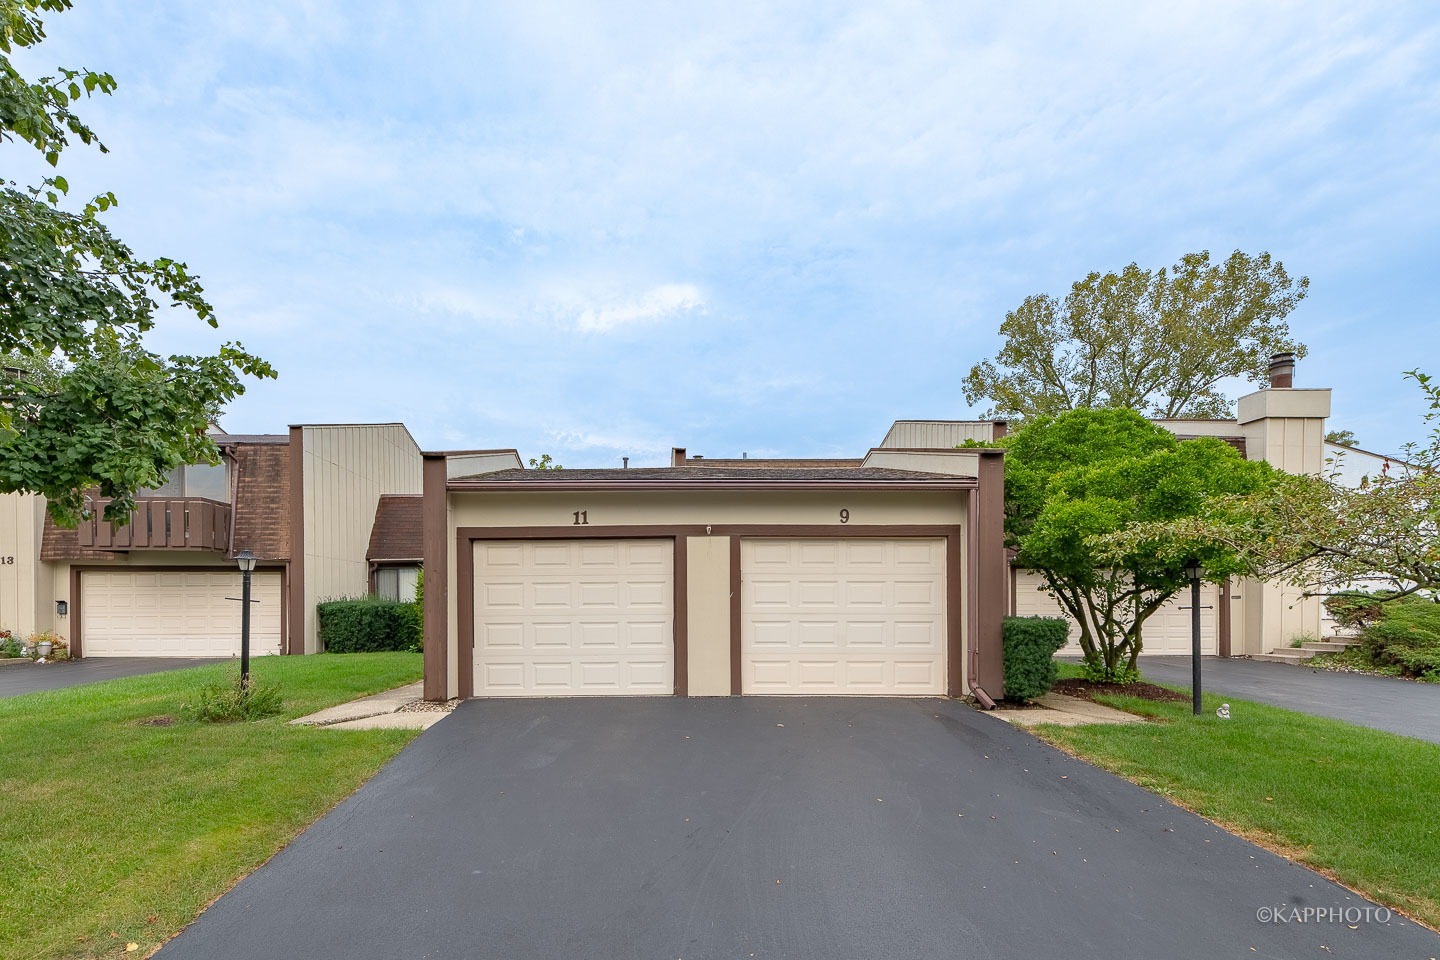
(48, 645)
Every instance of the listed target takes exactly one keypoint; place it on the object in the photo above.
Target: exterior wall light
(62, 608)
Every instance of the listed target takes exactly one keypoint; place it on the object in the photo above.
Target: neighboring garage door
(574, 618)
(830, 616)
(183, 613)
(1166, 632)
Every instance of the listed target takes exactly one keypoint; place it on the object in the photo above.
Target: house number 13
(582, 517)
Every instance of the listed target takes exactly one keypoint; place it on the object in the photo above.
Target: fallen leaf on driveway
(131, 947)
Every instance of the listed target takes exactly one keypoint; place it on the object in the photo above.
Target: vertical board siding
(936, 434)
(346, 469)
(21, 586)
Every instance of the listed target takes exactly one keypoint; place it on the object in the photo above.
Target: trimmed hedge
(1030, 646)
(369, 625)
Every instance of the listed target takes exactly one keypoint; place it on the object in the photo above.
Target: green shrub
(230, 701)
(1357, 608)
(1406, 635)
(1030, 644)
(369, 625)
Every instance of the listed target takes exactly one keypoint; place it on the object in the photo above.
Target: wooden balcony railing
(181, 523)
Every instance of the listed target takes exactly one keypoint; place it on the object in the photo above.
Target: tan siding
(955, 463)
(708, 601)
(470, 464)
(345, 469)
(544, 509)
(21, 576)
(935, 434)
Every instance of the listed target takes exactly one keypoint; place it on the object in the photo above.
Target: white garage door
(863, 616)
(574, 617)
(1166, 632)
(185, 613)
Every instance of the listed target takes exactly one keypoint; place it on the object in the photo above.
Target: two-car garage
(823, 579)
(597, 617)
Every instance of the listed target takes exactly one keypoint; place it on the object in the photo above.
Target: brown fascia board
(531, 486)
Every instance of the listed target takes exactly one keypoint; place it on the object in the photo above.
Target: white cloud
(664, 302)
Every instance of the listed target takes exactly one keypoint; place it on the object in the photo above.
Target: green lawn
(1360, 804)
(114, 832)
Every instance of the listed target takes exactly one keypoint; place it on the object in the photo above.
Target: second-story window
(196, 480)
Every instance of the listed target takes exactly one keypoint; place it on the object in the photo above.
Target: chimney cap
(1282, 370)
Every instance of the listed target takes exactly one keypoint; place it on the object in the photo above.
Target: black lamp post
(246, 561)
(1193, 570)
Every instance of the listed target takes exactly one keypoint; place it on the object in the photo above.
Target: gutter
(531, 486)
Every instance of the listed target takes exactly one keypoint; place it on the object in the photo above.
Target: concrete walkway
(27, 677)
(1385, 703)
(1064, 711)
(397, 709)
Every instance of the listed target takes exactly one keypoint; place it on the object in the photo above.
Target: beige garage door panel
(832, 616)
(574, 618)
(183, 613)
(1166, 632)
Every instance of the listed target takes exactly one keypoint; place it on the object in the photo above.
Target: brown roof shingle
(262, 499)
(396, 534)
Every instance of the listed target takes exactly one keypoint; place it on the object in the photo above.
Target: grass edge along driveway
(1360, 805)
(116, 832)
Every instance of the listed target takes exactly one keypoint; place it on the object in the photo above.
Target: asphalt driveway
(1385, 703)
(18, 678)
(765, 827)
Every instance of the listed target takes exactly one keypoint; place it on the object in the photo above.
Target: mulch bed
(1089, 690)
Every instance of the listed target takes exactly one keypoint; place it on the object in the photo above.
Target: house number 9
(844, 516)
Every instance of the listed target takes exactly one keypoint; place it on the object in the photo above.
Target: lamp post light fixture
(246, 561)
(1194, 571)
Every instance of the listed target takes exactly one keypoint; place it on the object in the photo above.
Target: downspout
(972, 583)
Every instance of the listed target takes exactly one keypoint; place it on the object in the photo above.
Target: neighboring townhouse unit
(1281, 424)
(306, 502)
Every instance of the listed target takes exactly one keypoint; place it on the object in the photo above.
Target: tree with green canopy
(84, 405)
(1161, 342)
(1084, 474)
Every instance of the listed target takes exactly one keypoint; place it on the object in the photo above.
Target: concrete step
(1327, 646)
(1285, 655)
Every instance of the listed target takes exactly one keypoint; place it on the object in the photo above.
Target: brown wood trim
(618, 532)
(434, 518)
(295, 638)
(464, 614)
(972, 586)
(635, 486)
(285, 607)
(991, 565)
(77, 646)
(955, 612)
(680, 630)
(736, 585)
(1223, 629)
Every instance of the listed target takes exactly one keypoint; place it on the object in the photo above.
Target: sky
(603, 230)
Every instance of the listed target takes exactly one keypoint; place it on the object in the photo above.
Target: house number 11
(582, 517)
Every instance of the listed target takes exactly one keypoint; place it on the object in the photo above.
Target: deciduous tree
(1160, 342)
(1079, 476)
(1318, 533)
(83, 403)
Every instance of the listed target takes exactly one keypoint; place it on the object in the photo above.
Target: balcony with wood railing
(171, 523)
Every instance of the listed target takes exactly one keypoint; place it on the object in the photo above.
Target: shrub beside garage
(1399, 635)
(1030, 644)
(369, 625)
